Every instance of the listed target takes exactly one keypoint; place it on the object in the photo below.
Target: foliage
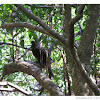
(53, 16)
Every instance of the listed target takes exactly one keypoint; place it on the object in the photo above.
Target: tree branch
(84, 73)
(42, 23)
(22, 25)
(15, 88)
(65, 69)
(71, 26)
(33, 27)
(30, 69)
(81, 30)
(79, 15)
(1, 43)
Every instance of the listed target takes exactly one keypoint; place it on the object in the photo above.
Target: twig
(81, 30)
(1, 43)
(23, 55)
(65, 68)
(95, 68)
(15, 88)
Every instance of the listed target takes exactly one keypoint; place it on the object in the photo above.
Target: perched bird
(41, 55)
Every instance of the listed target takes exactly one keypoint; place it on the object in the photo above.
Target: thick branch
(35, 72)
(33, 27)
(84, 73)
(22, 25)
(42, 23)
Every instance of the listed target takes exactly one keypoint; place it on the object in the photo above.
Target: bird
(41, 55)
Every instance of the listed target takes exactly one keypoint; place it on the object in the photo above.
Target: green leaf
(10, 11)
(78, 37)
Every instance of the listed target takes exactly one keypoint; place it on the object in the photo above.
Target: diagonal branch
(84, 73)
(71, 25)
(79, 15)
(41, 22)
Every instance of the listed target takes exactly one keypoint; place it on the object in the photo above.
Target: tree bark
(79, 77)
(33, 70)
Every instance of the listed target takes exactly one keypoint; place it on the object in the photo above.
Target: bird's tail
(50, 72)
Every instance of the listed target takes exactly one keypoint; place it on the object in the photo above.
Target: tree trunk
(84, 50)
